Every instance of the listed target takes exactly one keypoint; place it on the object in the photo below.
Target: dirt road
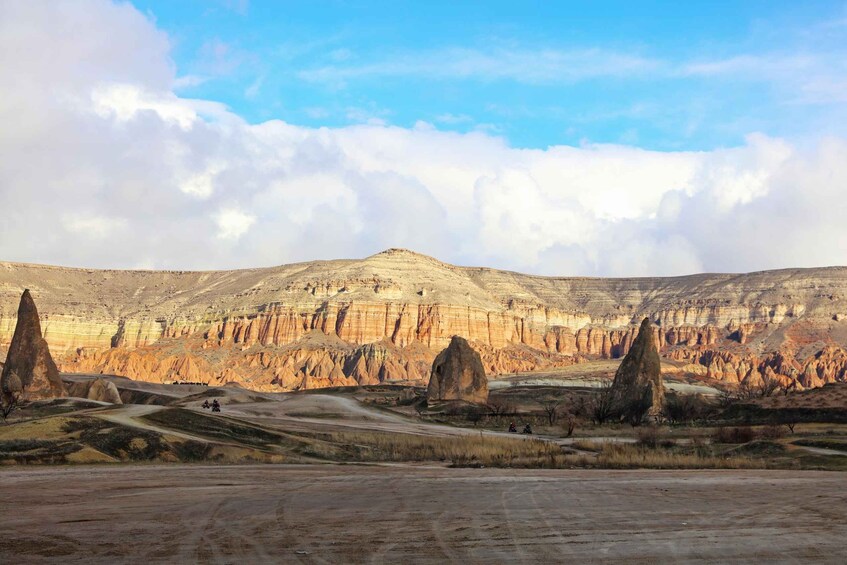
(350, 514)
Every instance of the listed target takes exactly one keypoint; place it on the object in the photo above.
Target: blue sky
(658, 75)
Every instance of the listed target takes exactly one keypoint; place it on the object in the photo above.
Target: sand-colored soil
(355, 514)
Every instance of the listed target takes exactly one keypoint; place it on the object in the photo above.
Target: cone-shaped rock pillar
(458, 374)
(638, 385)
(29, 368)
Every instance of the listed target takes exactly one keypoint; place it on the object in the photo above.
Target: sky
(596, 139)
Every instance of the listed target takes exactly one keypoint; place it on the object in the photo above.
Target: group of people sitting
(215, 405)
(527, 429)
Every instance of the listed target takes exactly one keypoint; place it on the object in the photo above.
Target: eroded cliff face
(383, 318)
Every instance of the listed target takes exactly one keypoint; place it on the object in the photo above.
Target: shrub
(686, 408)
(649, 436)
(739, 434)
(772, 431)
(601, 405)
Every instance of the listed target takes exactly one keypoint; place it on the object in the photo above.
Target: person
(527, 429)
(216, 406)
(206, 403)
(512, 428)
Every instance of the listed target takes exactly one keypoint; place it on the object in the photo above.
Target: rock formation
(99, 389)
(638, 387)
(457, 374)
(29, 371)
(383, 319)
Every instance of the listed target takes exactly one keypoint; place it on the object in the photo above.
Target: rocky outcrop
(638, 387)
(457, 374)
(99, 389)
(29, 371)
(257, 326)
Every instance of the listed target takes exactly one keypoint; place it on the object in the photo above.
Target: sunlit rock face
(638, 383)
(29, 372)
(457, 374)
(385, 317)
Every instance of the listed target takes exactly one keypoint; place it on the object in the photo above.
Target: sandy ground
(357, 514)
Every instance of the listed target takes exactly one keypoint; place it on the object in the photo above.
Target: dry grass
(486, 451)
(460, 451)
(631, 456)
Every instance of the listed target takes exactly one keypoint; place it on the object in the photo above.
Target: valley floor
(418, 514)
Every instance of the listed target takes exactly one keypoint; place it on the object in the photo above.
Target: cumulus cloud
(104, 164)
(233, 223)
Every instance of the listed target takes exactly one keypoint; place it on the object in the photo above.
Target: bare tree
(602, 404)
(769, 386)
(746, 391)
(789, 388)
(474, 414)
(500, 407)
(551, 409)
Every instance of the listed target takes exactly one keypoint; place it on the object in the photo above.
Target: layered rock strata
(383, 318)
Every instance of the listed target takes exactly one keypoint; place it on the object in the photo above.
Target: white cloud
(125, 101)
(97, 145)
(233, 223)
(92, 226)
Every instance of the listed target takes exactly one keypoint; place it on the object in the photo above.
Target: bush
(601, 405)
(686, 408)
(739, 434)
(772, 432)
(649, 436)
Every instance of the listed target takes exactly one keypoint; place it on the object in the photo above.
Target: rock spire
(458, 374)
(29, 372)
(638, 385)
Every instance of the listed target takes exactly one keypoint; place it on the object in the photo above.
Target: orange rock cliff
(384, 318)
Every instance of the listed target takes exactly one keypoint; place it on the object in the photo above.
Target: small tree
(420, 406)
(11, 404)
(10, 396)
(602, 404)
(746, 391)
(551, 409)
(769, 386)
(685, 408)
(636, 410)
(474, 414)
(500, 407)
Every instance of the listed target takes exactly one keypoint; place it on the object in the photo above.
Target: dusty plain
(375, 514)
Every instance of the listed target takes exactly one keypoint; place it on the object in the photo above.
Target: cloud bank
(103, 164)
